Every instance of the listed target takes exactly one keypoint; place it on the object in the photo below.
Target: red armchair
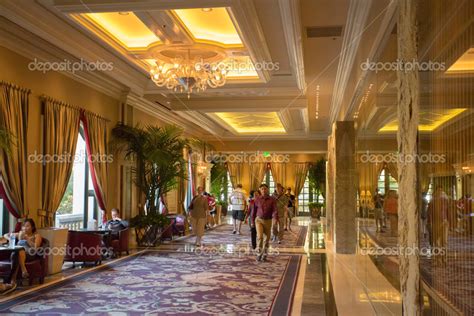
(37, 268)
(83, 247)
(121, 244)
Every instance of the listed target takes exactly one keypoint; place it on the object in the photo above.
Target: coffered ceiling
(312, 50)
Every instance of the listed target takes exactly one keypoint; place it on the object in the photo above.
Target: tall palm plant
(5, 140)
(158, 152)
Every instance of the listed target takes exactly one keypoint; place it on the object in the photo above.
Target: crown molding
(383, 35)
(291, 18)
(355, 24)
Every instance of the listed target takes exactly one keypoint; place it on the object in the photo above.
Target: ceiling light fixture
(206, 9)
(188, 75)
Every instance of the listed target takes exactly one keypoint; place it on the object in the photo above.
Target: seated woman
(30, 240)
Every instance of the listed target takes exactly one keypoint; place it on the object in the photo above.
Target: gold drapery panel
(257, 174)
(14, 103)
(368, 175)
(393, 170)
(235, 173)
(61, 130)
(300, 172)
(278, 172)
(96, 128)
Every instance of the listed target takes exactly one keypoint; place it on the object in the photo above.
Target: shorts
(378, 213)
(238, 215)
(213, 212)
(291, 212)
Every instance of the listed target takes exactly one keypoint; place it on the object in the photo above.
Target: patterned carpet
(223, 235)
(170, 283)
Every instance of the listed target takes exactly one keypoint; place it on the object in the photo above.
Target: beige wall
(14, 69)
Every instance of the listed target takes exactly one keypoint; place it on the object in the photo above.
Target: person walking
(390, 207)
(238, 201)
(378, 211)
(198, 210)
(252, 209)
(438, 223)
(266, 211)
(291, 208)
(282, 205)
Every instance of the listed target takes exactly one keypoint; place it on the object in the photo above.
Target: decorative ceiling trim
(291, 18)
(245, 18)
(243, 104)
(355, 27)
(87, 6)
(203, 122)
(383, 35)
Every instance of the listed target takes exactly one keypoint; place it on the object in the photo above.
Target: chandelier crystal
(188, 75)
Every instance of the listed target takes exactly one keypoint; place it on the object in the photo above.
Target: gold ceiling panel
(253, 122)
(210, 25)
(430, 120)
(124, 27)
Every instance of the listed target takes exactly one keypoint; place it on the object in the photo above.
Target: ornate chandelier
(188, 75)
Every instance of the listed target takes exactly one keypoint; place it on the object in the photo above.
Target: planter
(148, 236)
(316, 212)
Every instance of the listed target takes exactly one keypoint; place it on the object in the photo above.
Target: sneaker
(239, 232)
(279, 241)
(264, 258)
(259, 258)
(286, 229)
(234, 232)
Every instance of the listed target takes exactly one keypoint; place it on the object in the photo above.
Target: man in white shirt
(238, 200)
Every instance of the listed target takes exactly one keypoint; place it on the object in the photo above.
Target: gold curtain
(278, 172)
(235, 173)
(14, 103)
(181, 195)
(61, 130)
(257, 174)
(98, 140)
(368, 175)
(300, 173)
(393, 170)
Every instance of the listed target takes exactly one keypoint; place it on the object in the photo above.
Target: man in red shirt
(266, 210)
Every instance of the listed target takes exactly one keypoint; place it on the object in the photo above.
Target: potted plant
(158, 153)
(5, 140)
(315, 209)
(317, 179)
(218, 185)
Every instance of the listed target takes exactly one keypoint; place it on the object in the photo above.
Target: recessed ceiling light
(206, 9)
(124, 13)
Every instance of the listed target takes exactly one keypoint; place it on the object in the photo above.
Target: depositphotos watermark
(239, 66)
(246, 158)
(395, 158)
(65, 157)
(69, 66)
(404, 251)
(401, 65)
(71, 251)
(238, 251)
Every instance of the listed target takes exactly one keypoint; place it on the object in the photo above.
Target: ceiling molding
(237, 104)
(32, 47)
(160, 112)
(291, 20)
(383, 35)
(355, 27)
(87, 6)
(245, 18)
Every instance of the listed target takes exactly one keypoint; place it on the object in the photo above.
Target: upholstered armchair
(83, 247)
(121, 244)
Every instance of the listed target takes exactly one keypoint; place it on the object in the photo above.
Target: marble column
(345, 187)
(408, 110)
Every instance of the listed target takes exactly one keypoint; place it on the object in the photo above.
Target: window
(304, 198)
(79, 204)
(386, 182)
(268, 180)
